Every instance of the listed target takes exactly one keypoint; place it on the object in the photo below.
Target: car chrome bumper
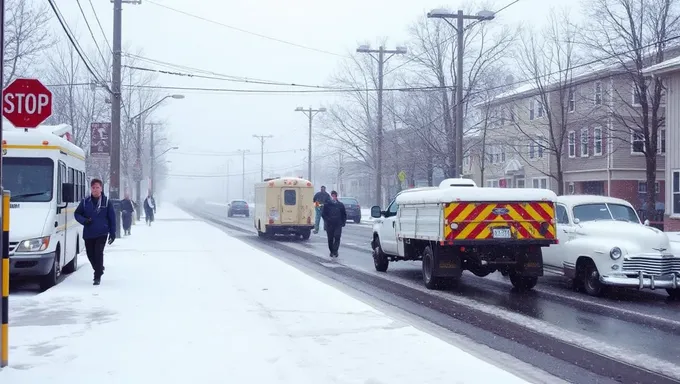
(643, 281)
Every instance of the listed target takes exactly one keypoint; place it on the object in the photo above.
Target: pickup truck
(459, 226)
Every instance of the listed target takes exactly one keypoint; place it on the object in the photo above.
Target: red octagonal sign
(26, 103)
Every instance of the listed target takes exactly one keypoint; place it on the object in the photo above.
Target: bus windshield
(28, 179)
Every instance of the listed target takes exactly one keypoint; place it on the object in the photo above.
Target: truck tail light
(271, 221)
(309, 219)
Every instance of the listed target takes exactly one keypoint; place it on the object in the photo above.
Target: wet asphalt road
(635, 327)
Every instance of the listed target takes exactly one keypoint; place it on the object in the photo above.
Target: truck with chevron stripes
(458, 226)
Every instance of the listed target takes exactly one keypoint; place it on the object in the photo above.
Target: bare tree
(636, 34)
(548, 60)
(26, 36)
(484, 50)
(75, 101)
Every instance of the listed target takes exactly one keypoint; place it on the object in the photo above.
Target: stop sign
(26, 103)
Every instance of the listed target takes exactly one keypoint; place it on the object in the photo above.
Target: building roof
(664, 67)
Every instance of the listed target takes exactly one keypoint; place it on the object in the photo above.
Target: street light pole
(460, 36)
(381, 51)
(243, 172)
(262, 139)
(310, 113)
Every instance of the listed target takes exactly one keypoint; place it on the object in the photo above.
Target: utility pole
(114, 187)
(152, 156)
(460, 35)
(140, 124)
(310, 113)
(262, 139)
(243, 172)
(381, 59)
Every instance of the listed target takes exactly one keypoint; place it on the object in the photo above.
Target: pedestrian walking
(99, 223)
(334, 217)
(149, 208)
(320, 198)
(127, 208)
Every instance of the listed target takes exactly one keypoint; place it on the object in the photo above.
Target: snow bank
(183, 302)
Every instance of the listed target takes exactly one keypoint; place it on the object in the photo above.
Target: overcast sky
(224, 122)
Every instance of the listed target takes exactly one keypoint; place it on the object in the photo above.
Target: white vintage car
(603, 243)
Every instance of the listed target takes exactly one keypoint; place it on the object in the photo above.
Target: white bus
(41, 169)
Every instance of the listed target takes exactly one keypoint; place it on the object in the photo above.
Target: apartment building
(669, 70)
(576, 132)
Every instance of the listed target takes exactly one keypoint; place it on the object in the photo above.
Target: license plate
(500, 233)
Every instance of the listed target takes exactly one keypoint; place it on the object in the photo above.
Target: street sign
(100, 143)
(402, 176)
(26, 103)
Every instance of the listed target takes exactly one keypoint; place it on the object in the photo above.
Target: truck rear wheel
(434, 282)
(380, 259)
(523, 283)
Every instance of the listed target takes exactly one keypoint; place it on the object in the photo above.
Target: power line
(94, 11)
(243, 30)
(87, 23)
(237, 153)
(76, 46)
(216, 176)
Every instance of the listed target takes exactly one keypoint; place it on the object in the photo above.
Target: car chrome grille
(651, 265)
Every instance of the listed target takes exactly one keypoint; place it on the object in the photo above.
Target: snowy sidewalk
(182, 302)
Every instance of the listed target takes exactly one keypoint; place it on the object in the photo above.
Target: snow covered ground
(181, 301)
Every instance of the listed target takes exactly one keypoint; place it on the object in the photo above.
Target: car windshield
(605, 211)
(28, 179)
(238, 203)
(346, 201)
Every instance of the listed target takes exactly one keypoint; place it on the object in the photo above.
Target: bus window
(28, 179)
(289, 197)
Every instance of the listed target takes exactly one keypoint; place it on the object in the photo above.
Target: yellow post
(4, 326)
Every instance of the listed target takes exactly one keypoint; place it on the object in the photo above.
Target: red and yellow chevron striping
(475, 221)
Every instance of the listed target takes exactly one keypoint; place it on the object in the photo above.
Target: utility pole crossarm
(310, 113)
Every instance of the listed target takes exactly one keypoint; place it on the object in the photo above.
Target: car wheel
(591, 280)
(357, 220)
(380, 259)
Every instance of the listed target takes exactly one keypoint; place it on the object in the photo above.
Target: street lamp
(166, 151)
(310, 113)
(381, 59)
(460, 17)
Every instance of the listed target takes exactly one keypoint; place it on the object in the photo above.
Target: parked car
(238, 207)
(603, 243)
(352, 207)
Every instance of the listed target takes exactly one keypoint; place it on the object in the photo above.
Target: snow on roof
(572, 200)
(452, 194)
(667, 66)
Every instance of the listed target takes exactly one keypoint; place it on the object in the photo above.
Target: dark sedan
(238, 207)
(352, 207)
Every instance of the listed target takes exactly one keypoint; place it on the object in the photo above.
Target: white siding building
(670, 71)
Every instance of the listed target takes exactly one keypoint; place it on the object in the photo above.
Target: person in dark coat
(149, 208)
(127, 208)
(334, 217)
(99, 223)
(320, 198)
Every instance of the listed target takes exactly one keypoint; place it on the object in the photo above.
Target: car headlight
(615, 253)
(33, 245)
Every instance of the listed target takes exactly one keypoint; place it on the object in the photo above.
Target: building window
(540, 144)
(636, 95)
(539, 109)
(661, 147)
(540, 182)
(642, 187)
(532, 106)
(571, 107)
(492, 183)
(519, 183)
(584, 142)
(597, 141)
(676, 192)
(571, 189)
(532, 150)
(598, 93)
(637, 142)
(572, 144)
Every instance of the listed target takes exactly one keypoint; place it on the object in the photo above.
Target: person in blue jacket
(99, 224)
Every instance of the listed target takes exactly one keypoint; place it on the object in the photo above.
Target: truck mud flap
(447, 263)
(529, 262)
